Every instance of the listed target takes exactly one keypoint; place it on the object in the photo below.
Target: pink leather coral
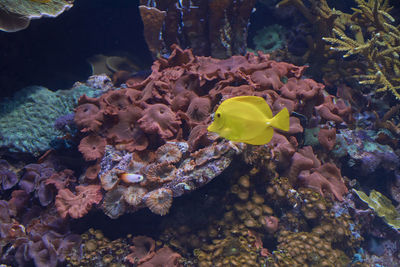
(160, 119)
(77, 205)
(327, 138)
(325, 179)
(143, 249)
(88, 117)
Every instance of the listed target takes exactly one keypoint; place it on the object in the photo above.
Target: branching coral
(378, 44)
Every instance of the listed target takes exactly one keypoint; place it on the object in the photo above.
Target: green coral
(269, 38)
(15, 15)
(27, 119)
(382, 206)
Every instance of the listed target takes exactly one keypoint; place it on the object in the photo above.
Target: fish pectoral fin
(281, 120)
(261, 139)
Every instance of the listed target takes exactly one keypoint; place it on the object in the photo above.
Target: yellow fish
(248, 119)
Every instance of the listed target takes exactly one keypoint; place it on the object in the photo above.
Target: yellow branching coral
(372, 22)
(382, 206)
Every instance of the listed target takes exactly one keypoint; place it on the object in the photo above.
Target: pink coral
(271, 224)
(325, 179)
(77, 205)
(165, 257)
(92, 147)
(160, 119)
(88, 117)
(327, 138)
(143, 250)
(144, 254)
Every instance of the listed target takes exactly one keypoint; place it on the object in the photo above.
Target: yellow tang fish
(248, 119)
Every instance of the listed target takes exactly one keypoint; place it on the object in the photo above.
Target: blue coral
(27, 119)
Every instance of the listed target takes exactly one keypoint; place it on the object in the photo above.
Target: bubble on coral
(159, 201)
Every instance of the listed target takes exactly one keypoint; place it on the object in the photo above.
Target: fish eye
(218, 115)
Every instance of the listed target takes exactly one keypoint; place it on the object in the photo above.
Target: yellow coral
(382, 206)
(381, 50)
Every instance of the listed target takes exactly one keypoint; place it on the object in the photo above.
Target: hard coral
(78, 205)
(16, 15)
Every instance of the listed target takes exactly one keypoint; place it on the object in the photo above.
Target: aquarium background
(105, 156)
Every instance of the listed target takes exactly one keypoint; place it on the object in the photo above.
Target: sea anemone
(133, 195)
(160, 173)
(88, 117)
(110, 179)
(92, 147)
(92, 171)
(114, 204)
(169, 153)
(159, 201)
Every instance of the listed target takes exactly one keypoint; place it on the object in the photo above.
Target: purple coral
(8, 178)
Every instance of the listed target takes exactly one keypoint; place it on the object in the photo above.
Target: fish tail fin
(281, 120)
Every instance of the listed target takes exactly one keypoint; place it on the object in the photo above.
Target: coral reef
(16, 15)
(27, 120)
(161, 115)
(137, 148)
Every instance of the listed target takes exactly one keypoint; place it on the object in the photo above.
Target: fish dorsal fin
(256, 101)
